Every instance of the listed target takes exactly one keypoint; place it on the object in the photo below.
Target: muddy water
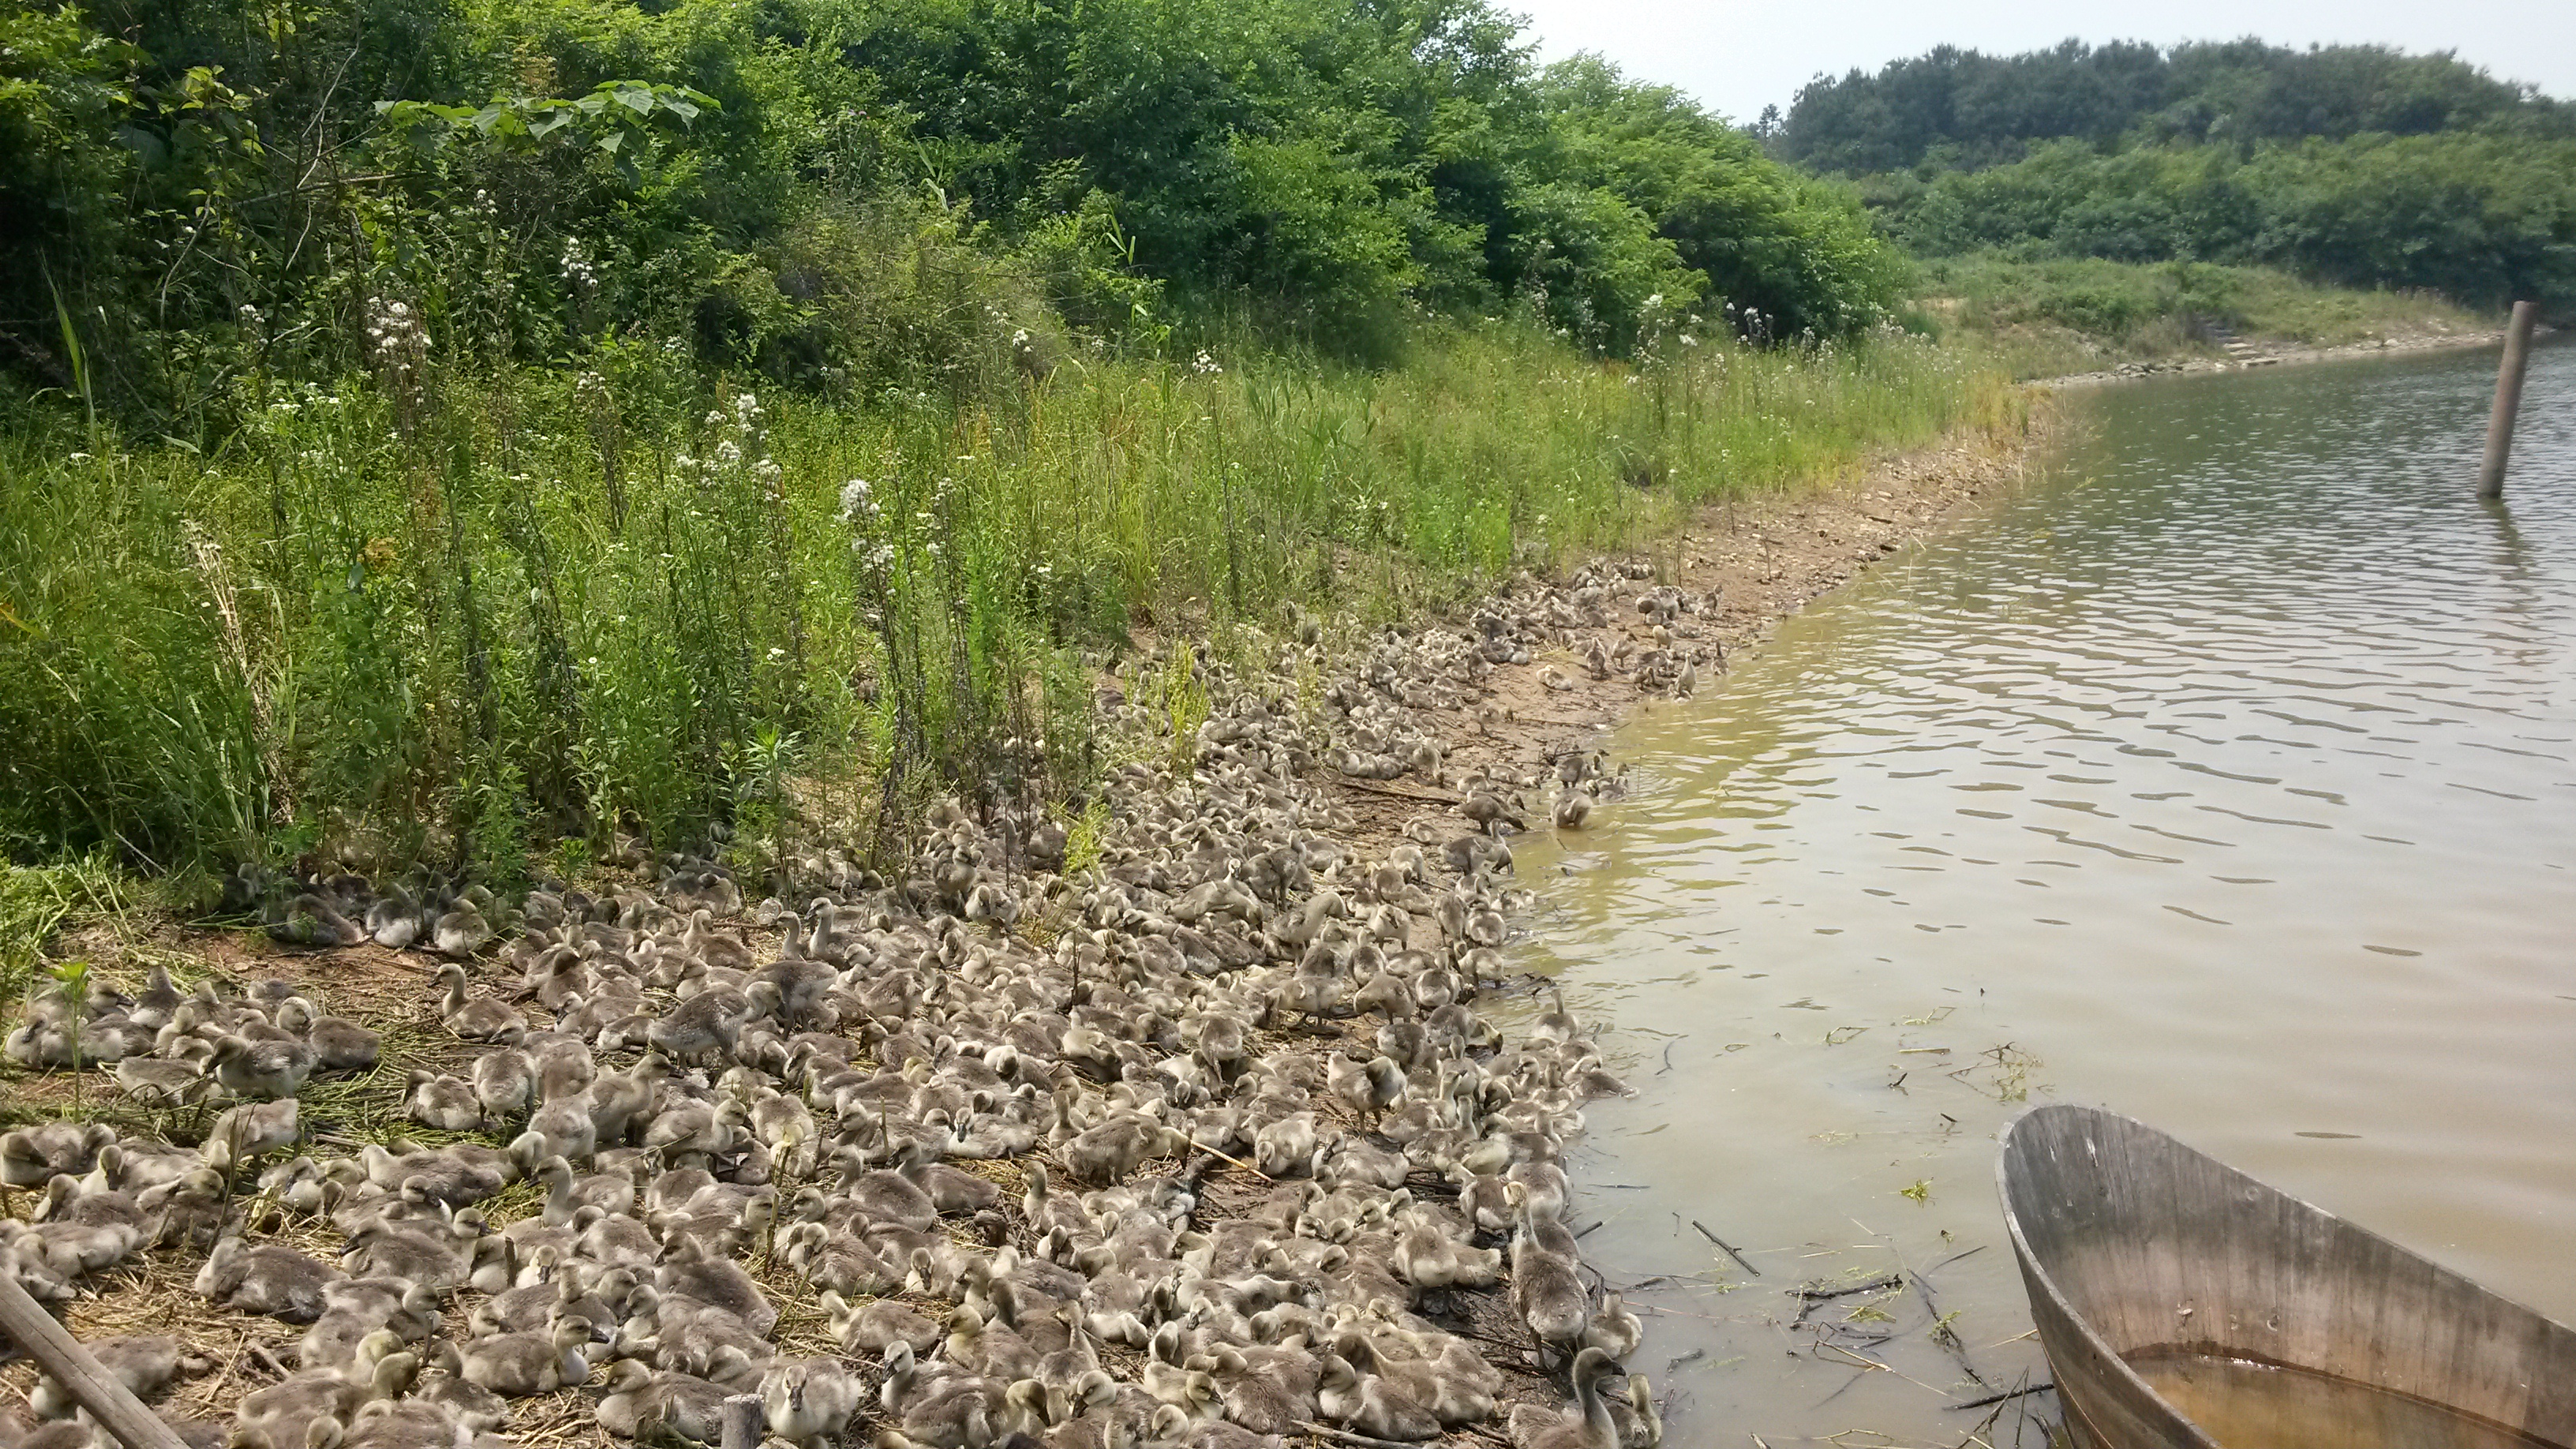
(2236, 1401)
(2225, 776)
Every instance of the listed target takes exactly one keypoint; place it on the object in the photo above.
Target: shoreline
(1760, 560)
(1299, 870)
(2247, 356)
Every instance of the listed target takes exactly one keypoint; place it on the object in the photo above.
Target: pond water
(2224, 776)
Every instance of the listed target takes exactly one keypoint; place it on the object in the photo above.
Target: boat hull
(2135, 1247)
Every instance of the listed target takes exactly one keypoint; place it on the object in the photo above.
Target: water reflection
(2224, 778)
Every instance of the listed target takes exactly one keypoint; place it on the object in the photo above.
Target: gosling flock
(1240, 1156)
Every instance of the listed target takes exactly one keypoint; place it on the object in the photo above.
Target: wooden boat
(2183, 1303)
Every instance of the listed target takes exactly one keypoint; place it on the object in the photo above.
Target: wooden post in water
(91, 1386)
(2508, 399)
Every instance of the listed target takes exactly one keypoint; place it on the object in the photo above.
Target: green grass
(2066, 315)
(465, 617)
(35, 900)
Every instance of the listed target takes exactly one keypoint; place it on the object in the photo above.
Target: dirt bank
(2246, 354)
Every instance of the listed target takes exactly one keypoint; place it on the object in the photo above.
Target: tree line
(1956, 109)
(864, 193)
(2360, 166)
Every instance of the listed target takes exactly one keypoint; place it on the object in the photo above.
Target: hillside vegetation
(851, 195)
(2056, 316)
(1963, 110)
(2351, 166)
(465, 434)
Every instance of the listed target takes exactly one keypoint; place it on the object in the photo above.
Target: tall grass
(464, 617)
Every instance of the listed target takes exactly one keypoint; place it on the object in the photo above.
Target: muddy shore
(1393, 799)
(1757, 560)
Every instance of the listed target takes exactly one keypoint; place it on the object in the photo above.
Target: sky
(1737, 56)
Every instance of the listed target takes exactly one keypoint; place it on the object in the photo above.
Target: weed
(459, 617)
(71, 981)
(1085, 835)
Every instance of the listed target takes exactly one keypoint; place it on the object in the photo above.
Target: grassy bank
(2064, 315)
(479, 619)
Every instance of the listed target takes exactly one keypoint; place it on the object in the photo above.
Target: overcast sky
(1737, 56)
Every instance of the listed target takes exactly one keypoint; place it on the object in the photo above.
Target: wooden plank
(91, 1386)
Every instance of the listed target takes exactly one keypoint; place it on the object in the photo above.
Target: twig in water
(1668, 1057)
(1580, 1236)
(1884, 1280)
(1847, 1383)
(1941, 1333)
(1730, 1252)
(2041, 1387)
(1859, 1358)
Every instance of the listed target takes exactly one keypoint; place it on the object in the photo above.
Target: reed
(466, 616)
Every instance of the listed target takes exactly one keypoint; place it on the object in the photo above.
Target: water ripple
(2270, 718)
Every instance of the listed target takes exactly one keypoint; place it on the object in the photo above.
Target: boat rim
(2047, 1281)
(2038, 1270)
